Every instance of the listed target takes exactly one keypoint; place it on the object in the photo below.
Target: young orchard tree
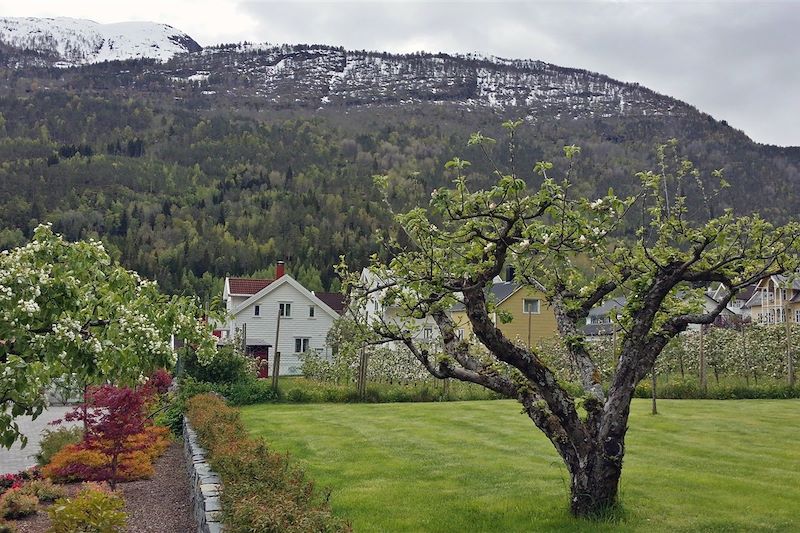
(464, 239)
(111, 417)
(67, 309)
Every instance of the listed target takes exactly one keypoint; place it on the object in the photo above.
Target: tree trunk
(593, 488)
(113, 479)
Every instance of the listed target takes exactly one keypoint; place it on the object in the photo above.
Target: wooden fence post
(276, 369)
(789, 358)
(703, 381)
(362, 374)
(276, 363)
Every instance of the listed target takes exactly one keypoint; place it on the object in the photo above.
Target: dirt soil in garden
(156, 505)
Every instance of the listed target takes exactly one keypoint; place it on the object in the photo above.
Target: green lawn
(482, 466)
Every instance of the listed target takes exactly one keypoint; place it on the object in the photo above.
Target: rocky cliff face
(288, 76)
(314, 76)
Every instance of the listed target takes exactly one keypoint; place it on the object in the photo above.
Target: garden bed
(159, 504)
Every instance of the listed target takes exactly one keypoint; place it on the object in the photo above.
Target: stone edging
(205, 485)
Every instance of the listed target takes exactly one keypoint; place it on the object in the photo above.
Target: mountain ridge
(319, 76)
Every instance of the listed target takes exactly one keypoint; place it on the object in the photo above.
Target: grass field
(482, 466)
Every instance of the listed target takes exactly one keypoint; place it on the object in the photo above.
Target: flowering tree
(68, 309)
(573, 248)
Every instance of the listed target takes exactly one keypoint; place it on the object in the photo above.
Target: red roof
(334, 300)
(247, 286)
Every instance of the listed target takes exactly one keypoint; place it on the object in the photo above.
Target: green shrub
(55, 439)
(298, 396)
(171, 413)
(171, 416)
(303, 390)
(91, 511)
(191, 387)
(685, 389)
(15, 504)
(44, 489)
(6, 527)
(249, 391)
(227, 367)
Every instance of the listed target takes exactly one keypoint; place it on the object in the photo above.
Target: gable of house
(773, 298)
(533, 319)
(237, 290)
(509, 298)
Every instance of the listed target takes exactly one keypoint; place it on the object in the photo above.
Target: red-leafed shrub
(74, 463)
(119, 442)
(9, 481)
(115, 416)
(158, 383)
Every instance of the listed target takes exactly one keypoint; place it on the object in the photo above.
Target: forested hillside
(187, 182)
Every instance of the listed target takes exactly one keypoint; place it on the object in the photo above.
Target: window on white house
(427, 333)
(797, 316)
(285, 309)
(301, 344)
(257, 310)
(375, 305)
(530, 306)
(460, 334)
(310, 311)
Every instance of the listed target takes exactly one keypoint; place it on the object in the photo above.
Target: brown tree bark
(595, 482)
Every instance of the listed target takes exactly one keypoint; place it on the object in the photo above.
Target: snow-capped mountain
(79, 41)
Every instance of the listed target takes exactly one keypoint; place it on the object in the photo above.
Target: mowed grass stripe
(482, 466)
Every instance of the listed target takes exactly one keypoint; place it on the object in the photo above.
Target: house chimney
(280, 270)
(510, 273)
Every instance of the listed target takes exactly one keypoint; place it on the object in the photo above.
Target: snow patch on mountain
(80, 41)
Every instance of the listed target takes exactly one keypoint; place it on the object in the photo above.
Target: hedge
(263, 491)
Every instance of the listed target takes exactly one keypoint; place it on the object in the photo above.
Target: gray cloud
(737, 61)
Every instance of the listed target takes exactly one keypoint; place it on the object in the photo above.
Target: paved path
(16, 459)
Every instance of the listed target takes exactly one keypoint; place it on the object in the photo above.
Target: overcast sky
(738, 61)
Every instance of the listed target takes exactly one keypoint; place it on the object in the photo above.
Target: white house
(253, 306)
(737, 303)
(424, 329)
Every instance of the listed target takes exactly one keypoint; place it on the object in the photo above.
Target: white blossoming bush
(386, 364)
(69, 309)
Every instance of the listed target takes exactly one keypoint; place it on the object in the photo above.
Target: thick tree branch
(541, 378)
(568, 328)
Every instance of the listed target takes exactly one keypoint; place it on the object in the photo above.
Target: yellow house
(532, 319)
(775, 299)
